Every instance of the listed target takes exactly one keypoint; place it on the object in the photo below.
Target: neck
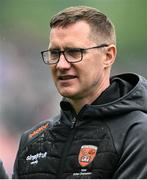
(78, 103)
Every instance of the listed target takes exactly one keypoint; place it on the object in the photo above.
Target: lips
(66, 77)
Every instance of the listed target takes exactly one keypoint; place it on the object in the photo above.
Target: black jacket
(107, 139)
(3, 174)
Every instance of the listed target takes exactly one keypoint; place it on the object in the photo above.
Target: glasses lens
(73, 55)
(45, 57)
(51, 57)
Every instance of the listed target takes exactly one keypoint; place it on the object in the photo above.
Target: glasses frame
(82, 50)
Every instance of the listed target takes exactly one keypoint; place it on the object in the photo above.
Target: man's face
(84, 78)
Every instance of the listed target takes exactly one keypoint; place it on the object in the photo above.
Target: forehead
(78, 32)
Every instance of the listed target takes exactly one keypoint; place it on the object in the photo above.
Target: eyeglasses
(72, 55)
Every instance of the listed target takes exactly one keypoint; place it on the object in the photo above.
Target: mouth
(66, 77)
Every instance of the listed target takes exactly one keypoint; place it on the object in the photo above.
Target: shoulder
(37, 130)
(133, 148)
(0, 163)
(2, 171)
(138, 129)
(127, 128)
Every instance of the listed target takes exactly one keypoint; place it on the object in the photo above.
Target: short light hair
(101, 26)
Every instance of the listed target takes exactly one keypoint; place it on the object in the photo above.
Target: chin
(67, 94)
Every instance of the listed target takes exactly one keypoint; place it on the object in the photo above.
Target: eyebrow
(65, 48)
(54, 49)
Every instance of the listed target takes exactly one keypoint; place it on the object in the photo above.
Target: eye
(53, 54)
(74, 52)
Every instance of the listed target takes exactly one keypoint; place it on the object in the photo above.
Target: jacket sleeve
(25, 139)
(29, 136)
(22, 143)
(133, 157)
(3, 174)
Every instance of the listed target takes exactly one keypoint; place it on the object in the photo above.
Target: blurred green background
(27, 93)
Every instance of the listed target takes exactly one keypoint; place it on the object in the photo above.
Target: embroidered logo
(38, 130)
(34, 158)
(87, 154)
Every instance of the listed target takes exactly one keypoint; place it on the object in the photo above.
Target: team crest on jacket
(87, 154)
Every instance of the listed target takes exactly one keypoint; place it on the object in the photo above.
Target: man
(3, 174)
(101, 130)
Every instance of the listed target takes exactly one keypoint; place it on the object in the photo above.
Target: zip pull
(73, 122)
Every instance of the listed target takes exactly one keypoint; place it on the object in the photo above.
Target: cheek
(93, 69)
(53, 73)
(94, 64)
(87, 73)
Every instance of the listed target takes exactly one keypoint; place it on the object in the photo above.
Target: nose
(63, 63)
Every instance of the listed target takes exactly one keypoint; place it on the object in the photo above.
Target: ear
(110, 53)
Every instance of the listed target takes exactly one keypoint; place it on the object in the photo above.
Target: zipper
(67, 146)
(73, 123)
(69, 141)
